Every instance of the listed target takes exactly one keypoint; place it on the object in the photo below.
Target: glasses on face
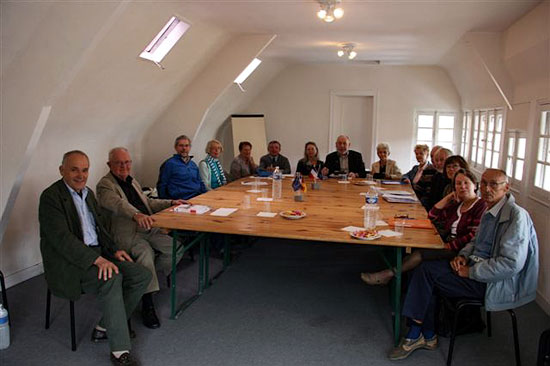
(453, 166)
(122, 163)
(492, 184)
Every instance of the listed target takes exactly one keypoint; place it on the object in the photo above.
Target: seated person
(80, 256)
(500, 267)
(456, 217)
(210, 169)
(310, 161)
(420, 175)
(274, 159)
(344, 160)
(434, 151)
(243, 165)
(179, 176)
(439, 179)
(385, 168)
(122, 198)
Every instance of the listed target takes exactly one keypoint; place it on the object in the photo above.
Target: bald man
(131, 224)
(344, 160)
(499, 266)
(79, 255)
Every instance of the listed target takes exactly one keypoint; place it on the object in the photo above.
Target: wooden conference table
(331, 208)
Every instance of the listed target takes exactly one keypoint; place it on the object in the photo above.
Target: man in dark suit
(344, 160)
(80, 256)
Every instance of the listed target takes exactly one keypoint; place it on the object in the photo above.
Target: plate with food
(293, 214)
(365, 234)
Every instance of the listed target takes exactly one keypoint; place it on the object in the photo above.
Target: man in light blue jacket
(500, 266)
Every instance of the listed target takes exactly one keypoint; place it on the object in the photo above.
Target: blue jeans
(432, 278)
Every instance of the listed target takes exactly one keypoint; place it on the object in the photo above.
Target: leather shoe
(150, 319)
(101, 335)
(124, 360)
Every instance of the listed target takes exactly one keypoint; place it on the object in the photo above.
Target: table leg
(226, 251)
(207, 261)
(173, 275)
(201, 266)
(397, 296)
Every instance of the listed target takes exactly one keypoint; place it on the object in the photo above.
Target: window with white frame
(542, 170)
(435, 128)
(466, 135)
(486, 139)
(515, 157)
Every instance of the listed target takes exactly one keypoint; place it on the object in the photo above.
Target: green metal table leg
(397, 296)
(173, 276)
(201, 266)
(226, 251)
(207, 261)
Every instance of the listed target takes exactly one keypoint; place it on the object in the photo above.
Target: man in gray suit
(131, 224)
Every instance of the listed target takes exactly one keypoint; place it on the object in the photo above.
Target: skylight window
(165, 40)
(246, 72)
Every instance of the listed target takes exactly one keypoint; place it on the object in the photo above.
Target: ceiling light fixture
(330, 10)
(347, 50)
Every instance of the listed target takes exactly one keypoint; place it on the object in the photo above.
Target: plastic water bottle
(277, 184)
(371, 216)
(371, 198)
(4, 328)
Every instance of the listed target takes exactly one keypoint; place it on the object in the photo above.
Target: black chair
(462, 304)
(71, 305)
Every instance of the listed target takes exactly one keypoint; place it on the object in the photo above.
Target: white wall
(296, 104)
(81, 58)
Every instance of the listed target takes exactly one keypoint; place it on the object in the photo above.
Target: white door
(353, 115)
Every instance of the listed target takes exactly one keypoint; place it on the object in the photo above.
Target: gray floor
(280, 303)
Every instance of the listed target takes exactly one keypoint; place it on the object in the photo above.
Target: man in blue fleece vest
(179, 176)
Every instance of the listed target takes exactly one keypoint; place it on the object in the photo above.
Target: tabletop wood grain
(329, 209)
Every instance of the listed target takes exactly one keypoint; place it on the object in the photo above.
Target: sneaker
(431, 343)
(406, 347)
(124, 360)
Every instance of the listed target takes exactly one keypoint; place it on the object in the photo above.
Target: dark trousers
(117, 297)
(432, 278)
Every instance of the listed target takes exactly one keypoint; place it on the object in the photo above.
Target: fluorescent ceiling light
(165, 40)
(247, 71)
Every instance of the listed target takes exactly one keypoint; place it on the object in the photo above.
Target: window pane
(545, 123)
(509, 162)
(511, 145)
(425, 134)
(479, 155)
(499, 123)
(425, 120)
(489, 140)
(496, 156)
(448, 145)
(488, 158)
(446, 121)
(542, 149)
(519, 169)
(474, 152)
(539, 176)
(521, 147)
(491, 127)
(445, 135)
(546, 185)
(496, 146)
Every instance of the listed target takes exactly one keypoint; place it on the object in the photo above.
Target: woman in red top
(456, 217)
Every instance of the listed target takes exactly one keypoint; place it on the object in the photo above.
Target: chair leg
(489, 329)
(73, 335)
(516, 337)
(453, 336)
(48, 305)
(4, 296)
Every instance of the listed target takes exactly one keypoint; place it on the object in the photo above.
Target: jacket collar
(506, 210)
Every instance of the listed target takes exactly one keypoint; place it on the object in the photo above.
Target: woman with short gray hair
(385, 168)
(210, 169)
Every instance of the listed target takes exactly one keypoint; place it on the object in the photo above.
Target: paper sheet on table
(288, 175)
(344, 181)
(393, 182)
(266, 214)
(254, 191)
(400, 193)
(251, 183)
(351, 229)
(389, 233)
(264, 199)
(192, 209)
(223, 211)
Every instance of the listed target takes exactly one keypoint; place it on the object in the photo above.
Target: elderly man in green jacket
(80, 256)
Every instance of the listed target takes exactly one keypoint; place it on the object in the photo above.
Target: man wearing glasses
(500, 266)
(131, 224)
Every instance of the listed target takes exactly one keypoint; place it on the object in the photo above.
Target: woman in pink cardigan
(456, 217)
